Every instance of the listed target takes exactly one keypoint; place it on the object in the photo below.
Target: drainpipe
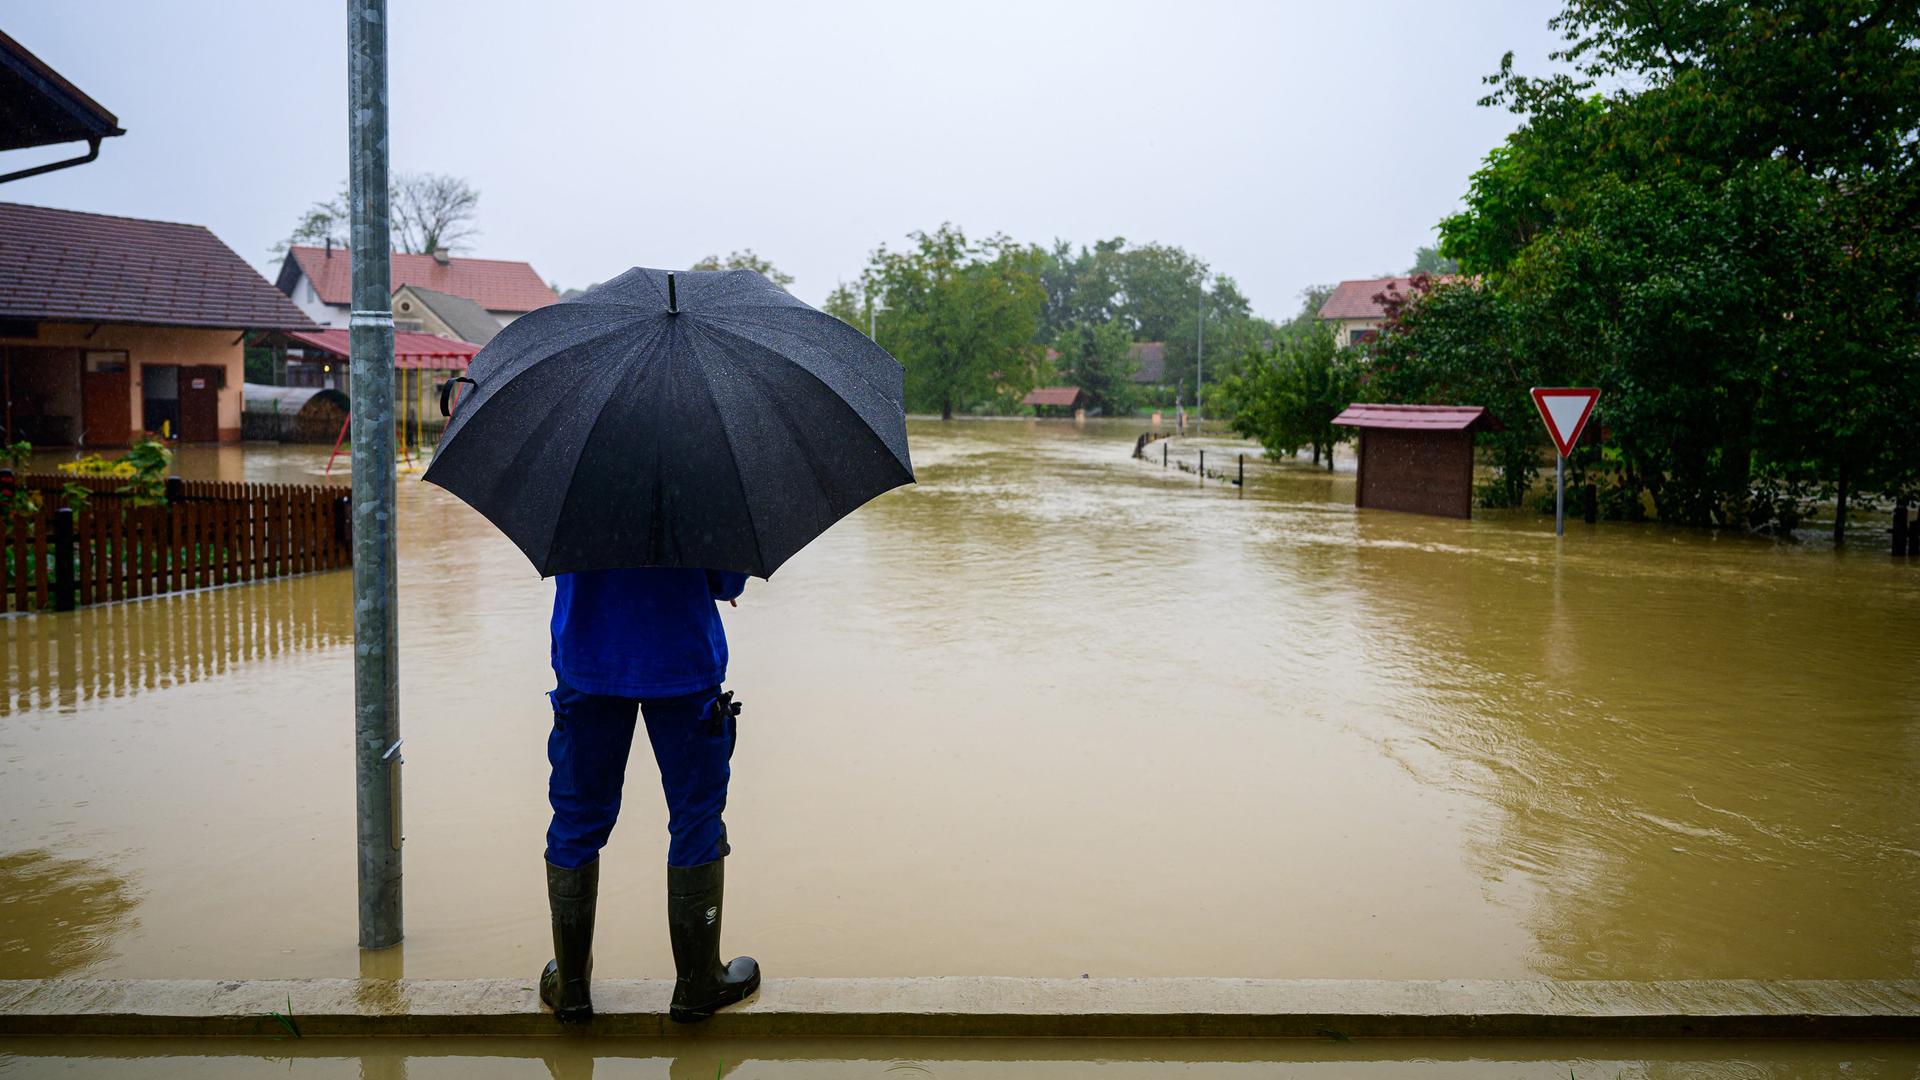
(370, 333)
(93, 151)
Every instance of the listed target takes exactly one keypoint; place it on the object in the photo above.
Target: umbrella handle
(446, 388)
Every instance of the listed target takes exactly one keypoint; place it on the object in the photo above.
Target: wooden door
(106, 415)
(200, 404)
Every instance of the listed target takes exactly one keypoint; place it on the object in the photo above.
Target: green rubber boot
(704, 985)
(564, 985)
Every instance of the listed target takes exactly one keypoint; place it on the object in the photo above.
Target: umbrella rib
(553, 535)
(471, 404)
(854, 371)
(830, 390)
(753, 527)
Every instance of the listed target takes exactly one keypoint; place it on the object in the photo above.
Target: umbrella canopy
(702, 419)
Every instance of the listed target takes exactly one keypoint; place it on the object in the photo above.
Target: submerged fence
(208, 534)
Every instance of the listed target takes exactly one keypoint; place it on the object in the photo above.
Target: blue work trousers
(592, 735)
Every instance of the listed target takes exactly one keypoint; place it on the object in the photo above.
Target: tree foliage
(431, 211)
(426, 211)
(746, 260)
(1287, 396)
(1710, 215)
(1094, 356)
(959, 314)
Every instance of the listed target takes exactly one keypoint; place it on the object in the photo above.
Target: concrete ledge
(970, 1007)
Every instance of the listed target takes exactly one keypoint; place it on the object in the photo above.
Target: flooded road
(1050, 712)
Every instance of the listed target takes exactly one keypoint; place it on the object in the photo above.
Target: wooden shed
(1055, 400)
(1417, 458)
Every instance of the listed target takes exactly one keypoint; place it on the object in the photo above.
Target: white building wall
(307, 299)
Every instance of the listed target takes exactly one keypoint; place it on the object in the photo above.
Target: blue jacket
(641, 633)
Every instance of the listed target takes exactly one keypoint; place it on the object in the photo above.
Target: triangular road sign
(1565, 409)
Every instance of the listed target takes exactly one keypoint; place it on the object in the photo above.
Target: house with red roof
(320, 281)
(113, 326)
(1357, 309)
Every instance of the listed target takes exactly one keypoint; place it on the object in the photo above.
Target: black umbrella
(703, 419)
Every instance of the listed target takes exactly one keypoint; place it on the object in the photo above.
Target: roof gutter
(93, 151)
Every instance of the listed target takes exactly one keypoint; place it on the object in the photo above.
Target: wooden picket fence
(209, 534)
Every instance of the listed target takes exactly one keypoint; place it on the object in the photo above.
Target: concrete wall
(154, 345)
(1420, 472)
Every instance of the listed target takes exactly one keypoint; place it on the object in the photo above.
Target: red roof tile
(494, 284)
(64, 264)
(1052, 395)
(1355, 299)
(410, 350)
(1420, 418)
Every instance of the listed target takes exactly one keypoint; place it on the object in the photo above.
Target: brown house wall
(1418, 472)
(49, 364)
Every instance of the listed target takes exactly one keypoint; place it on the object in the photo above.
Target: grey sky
(1286, 143)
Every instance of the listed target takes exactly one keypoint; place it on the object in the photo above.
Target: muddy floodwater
(1052, 711)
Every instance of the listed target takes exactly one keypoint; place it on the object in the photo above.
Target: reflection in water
(582, 1057)
(58, 915)
(56, 661)
(1672, 743)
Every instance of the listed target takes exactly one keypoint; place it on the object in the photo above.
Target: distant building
(1355, 310)
(111, 326)
(425, 311)
(1150, 362)
(320, 281)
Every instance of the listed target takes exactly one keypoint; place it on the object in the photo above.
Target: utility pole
(376, 696)
(1199, 355)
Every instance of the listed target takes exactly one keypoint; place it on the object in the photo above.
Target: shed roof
(39, 108)
(410, 350)
(1052, 395)
(1420, 418)
(467, 319)
(64, 264)
(494, 284)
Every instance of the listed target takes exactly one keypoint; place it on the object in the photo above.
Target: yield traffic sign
(1565, 410)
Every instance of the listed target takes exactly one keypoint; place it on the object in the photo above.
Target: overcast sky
(1286, 143)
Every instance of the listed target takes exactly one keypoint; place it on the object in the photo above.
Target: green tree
(1094, 357)
(960, 315)
(1428, 260)
(1287, 396)
(1708, 213)
(1159, 288)
(745, 260)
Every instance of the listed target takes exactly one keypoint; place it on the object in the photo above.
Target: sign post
(1565, 410)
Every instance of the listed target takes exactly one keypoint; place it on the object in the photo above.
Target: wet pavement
(707, 1059)
(1050, 712)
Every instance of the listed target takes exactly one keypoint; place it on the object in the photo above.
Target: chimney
(329, 247)
(440, 255)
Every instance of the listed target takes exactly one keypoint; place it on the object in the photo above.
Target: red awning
(1420, 418)
(410, 350)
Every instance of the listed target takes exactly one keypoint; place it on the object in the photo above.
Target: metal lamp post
(370, 333)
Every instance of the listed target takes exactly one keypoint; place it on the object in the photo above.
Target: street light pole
(376, 711)
(1200, 356)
